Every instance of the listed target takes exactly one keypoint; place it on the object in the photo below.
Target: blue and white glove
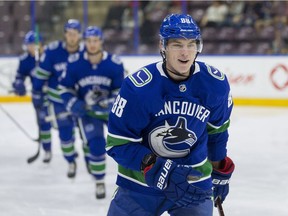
(165, 175)
(77, 107)
(38, 99)
(19, 87)
(221, 178)
(103, 106)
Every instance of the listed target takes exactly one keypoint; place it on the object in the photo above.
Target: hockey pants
(131, 203)
(92, 132)
(44, 127)
(66, 130)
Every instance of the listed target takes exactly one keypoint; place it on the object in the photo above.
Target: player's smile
(183, 61)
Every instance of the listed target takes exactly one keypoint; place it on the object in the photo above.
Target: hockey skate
(72, 169)
(100, 190)
(47, 156)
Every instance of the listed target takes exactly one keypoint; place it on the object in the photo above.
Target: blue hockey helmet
(72, 24)
(31, 37)
(180, 26)
(93, 31)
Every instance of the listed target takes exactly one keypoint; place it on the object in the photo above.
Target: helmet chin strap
(163, 55)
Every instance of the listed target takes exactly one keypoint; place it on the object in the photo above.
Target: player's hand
(221, 178)
(103, 106)
(98, 109)
(19, 87)
(167, 176)
(77, 107)
(101, 109)
(38, 99)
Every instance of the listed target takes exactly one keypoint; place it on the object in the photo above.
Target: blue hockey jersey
(26, 68)
(52, 63)
(185, 121)
(92, 82)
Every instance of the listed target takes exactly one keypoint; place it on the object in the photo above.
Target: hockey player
(88, 89)
(52, 64)
(28, 61)
(167, 130)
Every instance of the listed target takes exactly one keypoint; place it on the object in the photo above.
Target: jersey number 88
(118, 106)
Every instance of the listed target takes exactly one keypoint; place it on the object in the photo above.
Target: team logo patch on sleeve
(215, 72)
(141, 78)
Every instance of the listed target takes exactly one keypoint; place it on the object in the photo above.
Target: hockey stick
(37, 56)
(36, 155)
(219, 206)
(18, 125)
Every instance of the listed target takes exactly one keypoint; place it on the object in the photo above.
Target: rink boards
(259, 80)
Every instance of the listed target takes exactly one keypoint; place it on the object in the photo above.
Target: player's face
(180, 55)
(72, 38)
(93, 45)
(31, 48)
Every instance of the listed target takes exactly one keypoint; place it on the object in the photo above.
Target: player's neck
(176, 76)
(72, 49)
(95, 58)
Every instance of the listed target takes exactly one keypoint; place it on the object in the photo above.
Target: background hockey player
(52, 63)
(167, 130)
(28, 62)
(88, 89)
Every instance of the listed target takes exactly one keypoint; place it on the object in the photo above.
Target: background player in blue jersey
(88, 88)
(28, 62)
(167, 130)
(52, 63)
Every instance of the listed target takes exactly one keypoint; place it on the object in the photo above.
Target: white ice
(258, 145)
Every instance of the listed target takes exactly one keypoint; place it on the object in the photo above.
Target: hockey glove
(38, 99)
(221, 177)
(100, 110)
(77, 107)
(165, 175)
(103, 106)
(19, 87)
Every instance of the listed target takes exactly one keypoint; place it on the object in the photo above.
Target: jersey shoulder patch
(73, 57)
(116, 59)
(81, 46)
(23, 56)
(53, 45)
(42, 57)
(141, 77)
(214, 72)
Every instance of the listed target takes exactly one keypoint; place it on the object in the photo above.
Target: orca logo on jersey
(172, 141)
(95, 95)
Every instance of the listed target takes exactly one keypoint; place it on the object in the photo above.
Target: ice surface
(258, 145)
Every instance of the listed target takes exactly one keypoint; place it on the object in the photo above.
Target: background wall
(254, 80)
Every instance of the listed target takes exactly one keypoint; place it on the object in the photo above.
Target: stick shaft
(17, 124)
(219, 206)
